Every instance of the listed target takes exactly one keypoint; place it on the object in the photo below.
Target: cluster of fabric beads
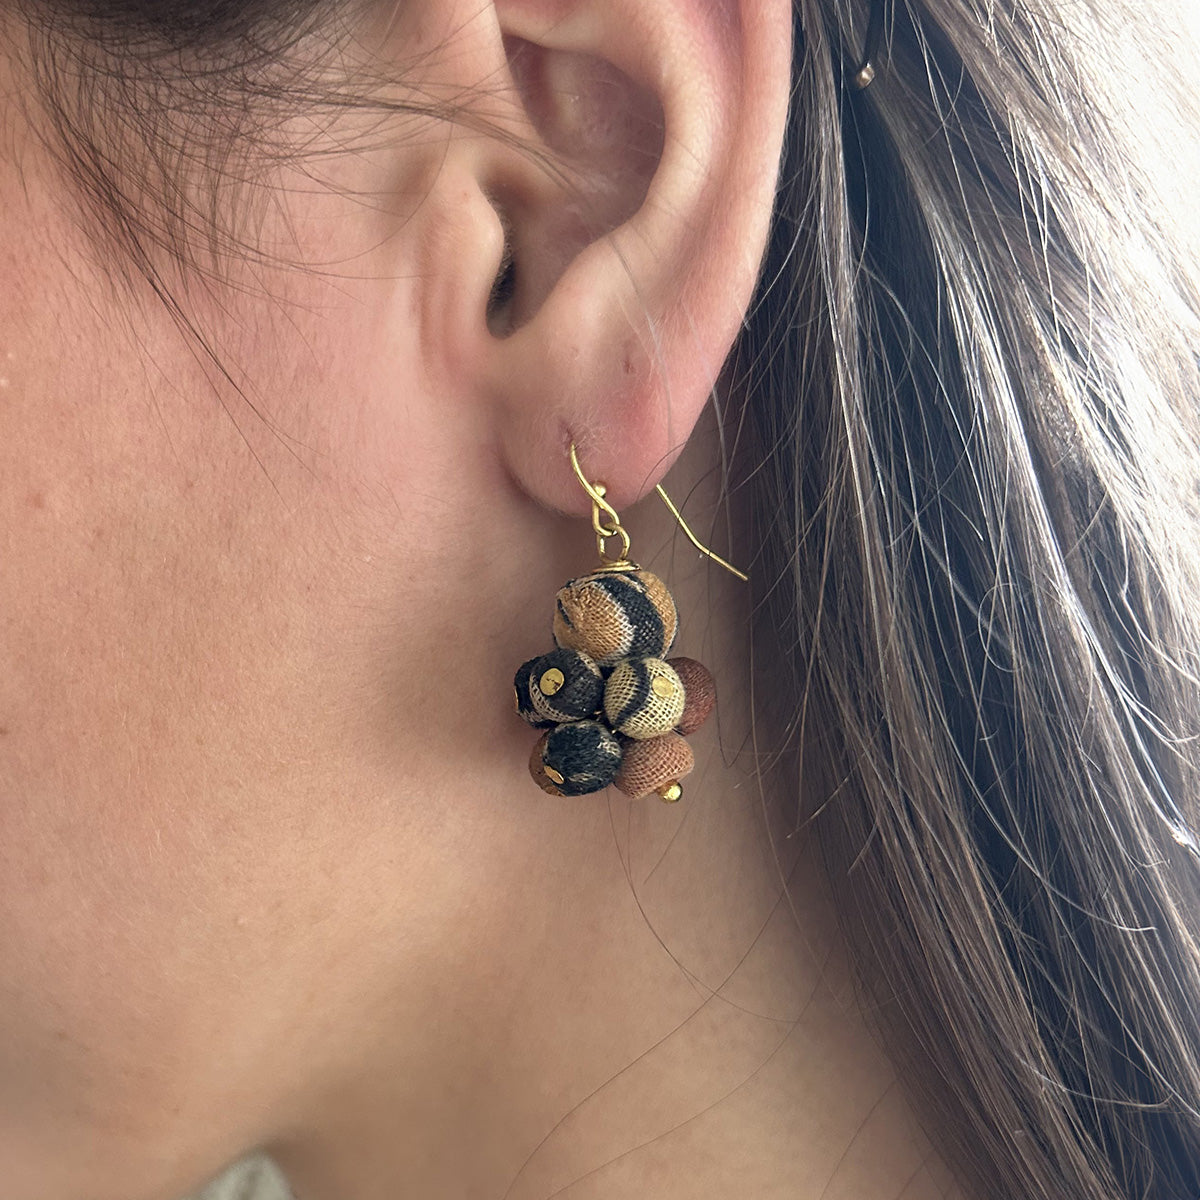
(614, 709)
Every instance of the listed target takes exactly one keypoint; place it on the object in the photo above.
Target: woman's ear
(635, 198)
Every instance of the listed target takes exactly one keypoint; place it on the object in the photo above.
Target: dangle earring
(614, 709)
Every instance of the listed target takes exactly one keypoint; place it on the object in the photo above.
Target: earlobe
(635, 252)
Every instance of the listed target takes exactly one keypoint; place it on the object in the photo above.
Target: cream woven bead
(644, 697)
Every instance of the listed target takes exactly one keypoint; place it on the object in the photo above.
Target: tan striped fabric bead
(611, 615)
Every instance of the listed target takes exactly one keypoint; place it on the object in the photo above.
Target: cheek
(149, 839)
(117, 938)
(201, 848)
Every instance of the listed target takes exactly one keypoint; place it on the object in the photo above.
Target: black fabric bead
(524, 702)
(584, 754)
(579, 690)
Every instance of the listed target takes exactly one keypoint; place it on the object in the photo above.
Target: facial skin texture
(272, 872)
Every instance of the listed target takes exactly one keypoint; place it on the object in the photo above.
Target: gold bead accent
(555, 777)
(550, 682)
(661, 686)
(670, 792)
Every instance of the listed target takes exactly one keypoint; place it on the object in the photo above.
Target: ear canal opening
(504, 283)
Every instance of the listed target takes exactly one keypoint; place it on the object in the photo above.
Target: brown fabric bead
(537, 768)
(647, 765)
(701, 692)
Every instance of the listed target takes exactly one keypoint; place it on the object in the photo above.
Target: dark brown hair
(973, 391)
(970, 455)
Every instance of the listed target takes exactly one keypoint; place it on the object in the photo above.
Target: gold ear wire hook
(696, 541)
(597, 492)
(599, 505)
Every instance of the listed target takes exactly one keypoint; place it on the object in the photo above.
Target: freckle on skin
(36, 500)
(3, 731)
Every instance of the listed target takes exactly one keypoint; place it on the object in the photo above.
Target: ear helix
(614, 709)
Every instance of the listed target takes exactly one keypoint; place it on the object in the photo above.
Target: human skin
(272, 870)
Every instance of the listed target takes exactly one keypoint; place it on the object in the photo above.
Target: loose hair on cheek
(968, 453)
(971, 442)
(173, 125)
(155, 111)
(173, 122)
